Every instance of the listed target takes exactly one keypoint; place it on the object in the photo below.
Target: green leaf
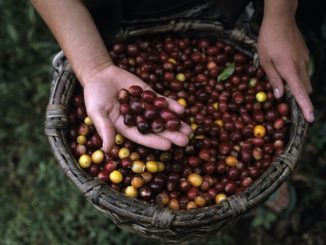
(226, 73)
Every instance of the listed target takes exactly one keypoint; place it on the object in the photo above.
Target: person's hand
(284, 56)
(100, 92)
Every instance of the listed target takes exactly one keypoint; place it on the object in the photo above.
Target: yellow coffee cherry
(161, 166)
(163, 199)
(119, 139)
(181, 77)
(261, 97)
(191, 205)
(81, 139)
(88, 121)
(131, 192)
(219, 122)
(182, 102)
(191, 136)
(115, 176)
(123, 153)
(253, 82)
(138, 167)
(85, 161)
(200, 201)
(220, 197)
(201, 136)
(137, 182)
(191, 119)
(97, 156)
(215, 105)
(259, 131)
(194, 126)
(134, 156)
(152, 166)
(195, 179)
(171, 60)
(231, 161)
(174, 204)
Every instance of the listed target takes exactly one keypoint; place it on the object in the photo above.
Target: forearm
(280, 9)
(77, 35)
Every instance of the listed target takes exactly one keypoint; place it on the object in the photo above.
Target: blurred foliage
(40, 206)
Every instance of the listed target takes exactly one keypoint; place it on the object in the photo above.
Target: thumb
(104, 128)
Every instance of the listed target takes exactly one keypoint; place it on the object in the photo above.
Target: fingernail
(277, 92)
(312, 117)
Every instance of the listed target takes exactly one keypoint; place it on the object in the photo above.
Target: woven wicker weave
(149, 220)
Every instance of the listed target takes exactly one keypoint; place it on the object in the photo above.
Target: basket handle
(57, 63)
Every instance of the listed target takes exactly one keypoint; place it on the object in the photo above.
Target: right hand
(102, 105)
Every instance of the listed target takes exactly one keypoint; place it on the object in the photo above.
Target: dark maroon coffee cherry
(240, 58)
(194, 161)
(148, 96)
(176, 85)
(204, 154)
(124, 109)
(209, 168)
(233, 173)
(221, 167)
(136, 106)
(81, 112)
(230, 187)
(118, 48)
(94, 170)
(135, 91)
(132, 50)
(150, 114)
(221, 59)
(254, 172)
(224, 148)
(283, 109)
(129, 120)
(143, 127)
(160, 103)
(173, 124)
(166, 114)
(157, 125)
(96, 141)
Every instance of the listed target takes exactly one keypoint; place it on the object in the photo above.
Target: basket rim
(232, 206)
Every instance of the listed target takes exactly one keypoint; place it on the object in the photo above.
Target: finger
(306, 80)
(185, 129)
(300, 93)
(175, 106)
(104, 128)
(149, 140)
(274, 78)
(176, 138)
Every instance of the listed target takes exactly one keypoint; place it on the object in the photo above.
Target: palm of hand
(100, 94)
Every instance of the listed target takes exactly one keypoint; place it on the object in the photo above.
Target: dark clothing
(110, 15)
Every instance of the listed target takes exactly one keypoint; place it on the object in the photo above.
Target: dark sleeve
(107, 15)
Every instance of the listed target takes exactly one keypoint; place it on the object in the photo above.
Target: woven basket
(148, 220)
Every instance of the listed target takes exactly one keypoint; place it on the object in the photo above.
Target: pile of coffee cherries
(238, 126)
(146, 111)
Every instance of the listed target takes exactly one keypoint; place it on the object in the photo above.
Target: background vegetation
(38, 205)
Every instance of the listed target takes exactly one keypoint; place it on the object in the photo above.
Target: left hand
(284, 56)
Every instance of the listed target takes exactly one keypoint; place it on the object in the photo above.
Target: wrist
(91, 68)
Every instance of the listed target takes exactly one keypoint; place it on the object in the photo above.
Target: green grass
(40, 205)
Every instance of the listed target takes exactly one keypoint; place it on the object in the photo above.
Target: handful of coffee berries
(238, 127)
(146, 111)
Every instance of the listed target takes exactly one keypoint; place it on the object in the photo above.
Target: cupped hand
(285, 57)
(100, 92)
